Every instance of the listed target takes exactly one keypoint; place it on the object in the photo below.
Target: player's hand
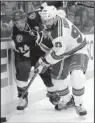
(41, 66)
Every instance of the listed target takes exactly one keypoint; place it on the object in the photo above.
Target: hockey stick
(81, 4)
(5, 119)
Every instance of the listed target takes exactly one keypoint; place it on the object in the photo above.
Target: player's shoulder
(67, 22)
(34, 19)
(67, 26)
(33, 15)
(62, 28)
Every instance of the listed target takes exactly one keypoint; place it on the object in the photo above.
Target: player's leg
(59, 75)
(78, 68)
(46, 77)
(66, 100)
(23, 66)
(51, 89)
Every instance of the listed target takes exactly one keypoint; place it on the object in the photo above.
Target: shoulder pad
(32, 15)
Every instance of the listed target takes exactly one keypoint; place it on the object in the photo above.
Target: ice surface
(43, 111)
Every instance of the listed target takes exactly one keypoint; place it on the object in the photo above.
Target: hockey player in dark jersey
(26, 34)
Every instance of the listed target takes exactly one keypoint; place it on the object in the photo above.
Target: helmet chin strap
(21, 29)
(25, 28)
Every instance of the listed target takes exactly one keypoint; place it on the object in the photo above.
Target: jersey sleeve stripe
(59, 57)
(44, 48)
(60, 27)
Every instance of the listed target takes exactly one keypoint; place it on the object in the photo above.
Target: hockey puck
(3, 119)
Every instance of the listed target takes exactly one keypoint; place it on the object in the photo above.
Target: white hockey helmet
(44, 4)
(48, 13)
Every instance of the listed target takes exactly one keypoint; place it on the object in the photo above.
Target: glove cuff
(46, 63)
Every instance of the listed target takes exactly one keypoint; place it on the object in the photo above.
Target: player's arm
(57, 52)
(53, 56)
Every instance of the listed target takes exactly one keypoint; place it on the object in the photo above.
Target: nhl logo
(19, 38)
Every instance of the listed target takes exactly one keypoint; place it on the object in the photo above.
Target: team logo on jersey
(32, 16)
(19, 38)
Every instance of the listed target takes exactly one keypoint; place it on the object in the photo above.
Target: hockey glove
(42, 65)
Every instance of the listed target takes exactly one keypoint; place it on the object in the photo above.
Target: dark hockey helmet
(18, 15)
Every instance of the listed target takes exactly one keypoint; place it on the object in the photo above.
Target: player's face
(20, 24)
(48, 23)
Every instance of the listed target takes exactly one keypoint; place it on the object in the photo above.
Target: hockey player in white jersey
(67, 56)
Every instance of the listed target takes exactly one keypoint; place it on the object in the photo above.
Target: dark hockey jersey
(24, 40)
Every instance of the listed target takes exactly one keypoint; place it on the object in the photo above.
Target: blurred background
(81, 13)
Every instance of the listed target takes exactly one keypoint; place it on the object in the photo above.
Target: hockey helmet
(48, 12)
(18, 15)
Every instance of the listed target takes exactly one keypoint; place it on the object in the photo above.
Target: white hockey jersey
(66, 39)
